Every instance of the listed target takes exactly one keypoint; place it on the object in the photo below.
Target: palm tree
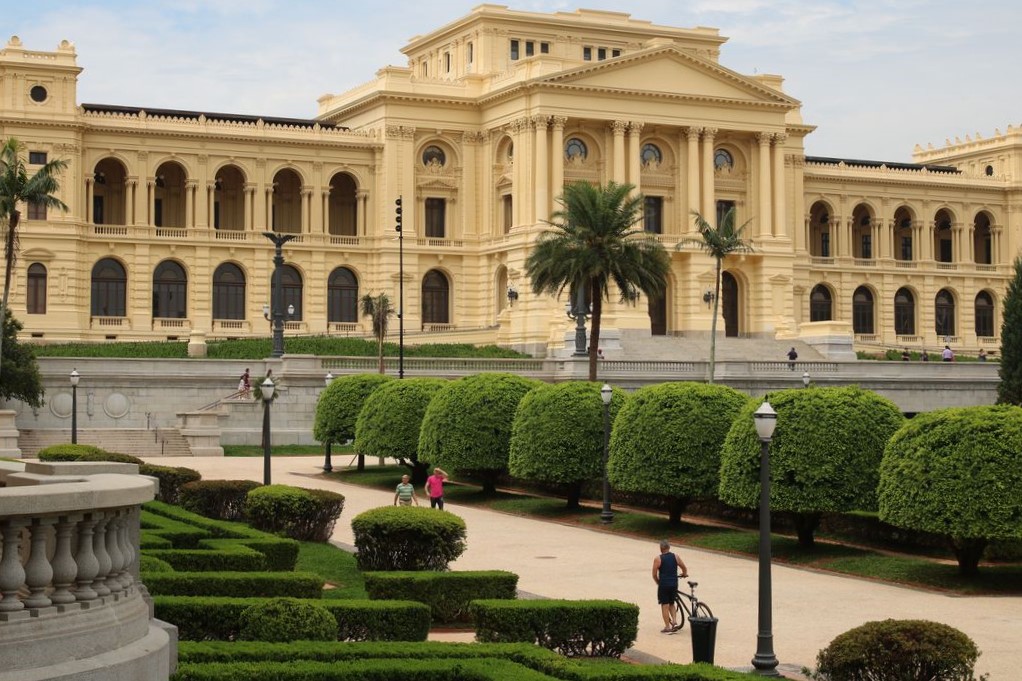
(592, 244)
(379, 309)
(16, 188)
(719, 242)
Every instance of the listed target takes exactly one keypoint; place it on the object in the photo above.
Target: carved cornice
(541, 121)
(635, 128)
(619, 127)
(400, 132)
(559, 122)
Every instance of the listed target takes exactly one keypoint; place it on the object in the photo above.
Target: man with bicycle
(665, 574)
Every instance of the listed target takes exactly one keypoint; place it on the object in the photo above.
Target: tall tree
(593, 243)
(379, 310)
(1009, 391)
(718, 242)
(16, 188)
(20, 370)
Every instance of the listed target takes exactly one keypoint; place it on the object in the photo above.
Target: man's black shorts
(665, 595)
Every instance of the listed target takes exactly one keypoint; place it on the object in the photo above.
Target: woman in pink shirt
(435, 488)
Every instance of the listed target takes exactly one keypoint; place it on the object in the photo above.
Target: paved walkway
(561, 561)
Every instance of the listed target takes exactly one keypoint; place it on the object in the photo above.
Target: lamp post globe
(805, 379)
(765, 661)
(74, 378)
(327, 463)
(266, 388)
(606, 395)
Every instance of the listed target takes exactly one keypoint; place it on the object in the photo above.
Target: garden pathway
(561, 561)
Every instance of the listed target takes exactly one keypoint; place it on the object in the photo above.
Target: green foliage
(171, 479)
(447, 594)
(221, 499)
(898, 650)
(667, 441)
(1009, 390)
(379, 310)
(248, 584)
(389, 423)
(340, 403)
(407, 538)
(287, 619)
(467, 425)
(151, 565)
(825, 454)
(572, 628)
(302, 514)
(18, 366)
(363, 670)
(119, 350)
(557, 434)
(69, 452)
(957, 472)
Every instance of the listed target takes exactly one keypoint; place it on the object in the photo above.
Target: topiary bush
(467, 425)
(302, 514)
(557, 435)
(898, 650)
(448, 594)
(388, 425)
(407, 538)
(171, 479)
(667, 440)
(287, 619)
(824, 457)
(957, 472)
(221, 499)
(338, 407)
(69, 452)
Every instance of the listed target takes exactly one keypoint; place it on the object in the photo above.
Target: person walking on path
(982, 356)
(405, 493)
(245, 383)
(792, 356)
(435, 488)
(947, 354)
(665, 574)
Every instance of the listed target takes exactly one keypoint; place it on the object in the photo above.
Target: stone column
(635, 155)
(324, 200)
(210, 202)
(90, 194)
(129, 201)
(618, 162)
(707, 207)
(692, 135)
(763, 138)
(151, 202)
(250, 190)
(777, 227)
(190, 203)
(306, 210)
(268, 207)
(542, 166)
(361, 211)
(557, 156)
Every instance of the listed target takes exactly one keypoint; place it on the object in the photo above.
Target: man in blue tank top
(665, 574)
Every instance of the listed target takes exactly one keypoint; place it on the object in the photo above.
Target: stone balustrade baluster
(102, 557)
(64, 567)
(12, 574)
(88, 565)
(113, 548)
(38, 571)
(127, 548)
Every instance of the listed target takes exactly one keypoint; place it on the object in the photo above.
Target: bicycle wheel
(702, 610)
(684, 607)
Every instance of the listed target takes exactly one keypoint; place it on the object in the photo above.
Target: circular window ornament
(38, 93)
(434, 156)
(722, 160)
(651, 155)
(575, 150)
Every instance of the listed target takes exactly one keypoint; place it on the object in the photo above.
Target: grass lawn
(285, 450)
(335, 565)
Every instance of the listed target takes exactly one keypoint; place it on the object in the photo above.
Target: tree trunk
(489, 482)
(418, 471)
(675, 507)
(594, 332)
(361, 463)
(379, 354)
(574, 495)
(805, 526)
(8, 268)
(713, 323)
(968, 552)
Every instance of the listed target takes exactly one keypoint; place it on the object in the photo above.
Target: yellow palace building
(493, 113)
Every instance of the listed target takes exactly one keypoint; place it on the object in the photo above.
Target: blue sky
(875, 77)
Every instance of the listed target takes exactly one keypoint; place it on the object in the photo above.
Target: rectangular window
(867, 247)
(471, 52)
(945, 250)
(653, 215)
(436, 210)
(601, 54)
(425, 69)
(447, 62)
(615, 53)
(37, 158)
(216, 215)
(514, 50)
(36, 211)
(587, 53)
(530, 49)
(36, 299)
(158, 212)
(825, 244)
(723, 207)
(97, 210)
(544, 48)
(508, 206)
(906, 248)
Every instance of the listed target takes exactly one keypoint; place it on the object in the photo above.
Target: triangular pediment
(671, 72)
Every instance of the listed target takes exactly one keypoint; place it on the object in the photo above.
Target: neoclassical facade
(477, 135)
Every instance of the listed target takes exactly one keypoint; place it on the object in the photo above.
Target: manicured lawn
(285, 450)
(336, 566)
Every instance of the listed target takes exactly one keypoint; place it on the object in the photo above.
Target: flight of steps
(640, 345)
(134, 441)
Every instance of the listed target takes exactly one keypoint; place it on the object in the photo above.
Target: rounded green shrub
(171, 479)
(956, 472)
(153, 564)
(281, 620)
(557, 435)
(302, 514)
(69, 452)
(898, 650)
(221, 499)
(667, 441)
(467, 425)
(340, 403)
(824, 457)
(407, 538)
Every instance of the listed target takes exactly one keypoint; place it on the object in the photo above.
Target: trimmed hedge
(594, 628)
(285, 620)
(447, 594)
(69, 452)
(407, 538)
(151, 565)
(339, 405)
(363, 670)
(234, 584)
(389, 423)
(171, 478)
(220, 499)
(200, 618)
(302, 514)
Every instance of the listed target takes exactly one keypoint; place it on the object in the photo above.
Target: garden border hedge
(447, 594)
(234, 584)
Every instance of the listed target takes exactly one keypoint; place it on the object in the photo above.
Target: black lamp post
(327, 464)
(277, 299)
(74, 405)
(400, 290)
(606, 394)
(580, 314)
(266, 389)
(765, 662)
(805, 379)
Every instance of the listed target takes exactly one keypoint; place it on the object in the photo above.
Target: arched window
(36, 302)
(723, 160)
(651, 155)
(342, 296)
(434, 156)
(944, 313)
(862, 311)
(575, 150)
(984, 314)
(170, 291)
(291, 292)
(435, 298)
(109, 289)
(904, 313)
(820, 304)
(228, 292)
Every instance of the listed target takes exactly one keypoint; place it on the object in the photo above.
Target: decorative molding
(619, 127)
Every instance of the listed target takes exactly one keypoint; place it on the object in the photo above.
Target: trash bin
(704, 638)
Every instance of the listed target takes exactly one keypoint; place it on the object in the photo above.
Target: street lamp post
(579, 313)
(606, 394)
(765, 662)
(805, 379)
(400, 290)
(277, 294)
(74, 405)
(266, 389)
(327, 464)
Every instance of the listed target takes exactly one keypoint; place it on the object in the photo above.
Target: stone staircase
(134, 441)
(640, 345)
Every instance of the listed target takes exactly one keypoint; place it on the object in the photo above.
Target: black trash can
(704, 638)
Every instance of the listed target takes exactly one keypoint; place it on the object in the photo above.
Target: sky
(875, 77)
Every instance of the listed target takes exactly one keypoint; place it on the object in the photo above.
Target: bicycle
(690, 605)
